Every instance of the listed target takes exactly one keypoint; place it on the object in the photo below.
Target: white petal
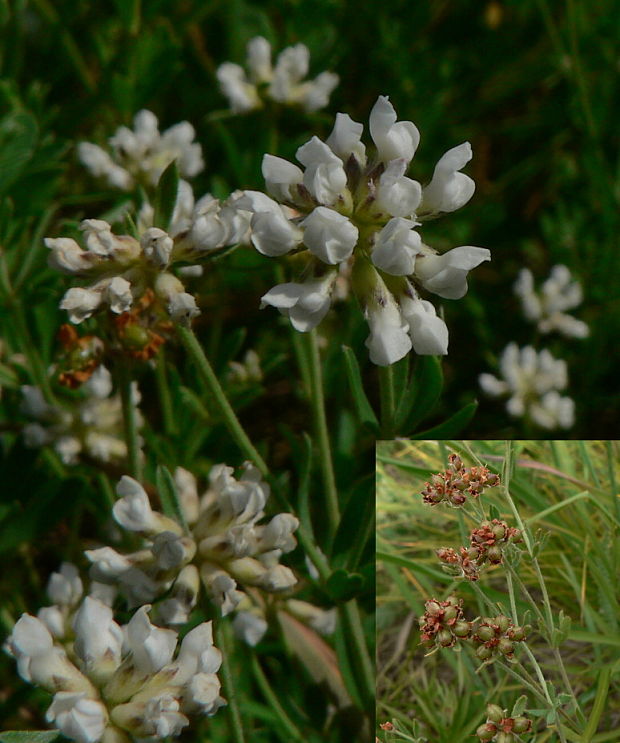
(446, 275)
(397, 195)
(80, 303)
(273, 234)
(393, 140)
(429, 333)
(249, 627)
(396, 247)
(259, 59)
(345, 139)
(151, 647)
(314, 94)
(449, 190)
(281, 177)
(389, 339)
(329, 235)
(133, 511)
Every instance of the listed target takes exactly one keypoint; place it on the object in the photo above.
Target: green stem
(161, 379)
(130, 424)
(352, 622)
(288, 726)
(218, 398)
(221, 641)
(317, 402)
(386, 393)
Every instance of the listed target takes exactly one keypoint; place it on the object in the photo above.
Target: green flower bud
(433, 608)
(506, 646)
(445, 638)
(505, 738)
(502, 622)
(516, 536)
(517, 633)
(494, 554)
(486, 732)
(499, 532)
(453, 601)
(494, 713)
(484, 653)
(521, 725)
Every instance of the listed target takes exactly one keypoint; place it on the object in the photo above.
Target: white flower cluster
(532, 381)
(93, 426)
(250, 624)
(224, 546)
(547, 308)
(111, 683)
(283, 83)
(347, 206)
(140, 156)
(123, 268)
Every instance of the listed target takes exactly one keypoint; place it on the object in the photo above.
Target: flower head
(140, 155)
(457, 482)
(547, 307)
(282, 83)
(532, 381)
(350, 206)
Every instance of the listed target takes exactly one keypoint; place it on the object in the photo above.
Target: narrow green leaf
(519, 706)
(453, 425)
(29, 736)
(166, 196)
(363, 408)
(422, 396)
(168, 493)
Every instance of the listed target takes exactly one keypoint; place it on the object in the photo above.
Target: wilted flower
(283, 83)
(496, 637)
(532, 379)
(109, 681)
(140, 156)
(225, 545)
(454, 484)
(547, 308)
(501, 728)
(92, 425)
(345, 207)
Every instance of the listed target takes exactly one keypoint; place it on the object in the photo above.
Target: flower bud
(455, 461)
(502, 622)
(450, 613)
(445, 639)
(494, 713)
(494, 554)
(517, 633)
(506, 646)
(498, 531)
(433, 608)
(485, 633)
(505, 738)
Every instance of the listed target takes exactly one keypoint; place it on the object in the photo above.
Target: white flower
(305, 304)
(81, 303)
(345, 139)
(78, 717)
(396, 247)
(65, 587)
(156, 246)
(203, 693)
(449, 190)
(151, 647)
(30, 637)
(273, 235)
(133, 511)
(446, 275)
(283, 83)
(397, 195)
(329, 236)
(101, 165)
(224, 592)
(532, 380)
(429, 333)
(324, 176)
(181, 305)
(98, 638)
(548, 307)
(321, 620)
(394, 140)
(389, 339)
(67, 256)
(53, 617)
(162, 717)
(281, 177)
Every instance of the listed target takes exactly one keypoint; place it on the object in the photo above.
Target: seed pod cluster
(464, 562)
(443, 624)
(496, 637)
(454, 484)
(502, 729)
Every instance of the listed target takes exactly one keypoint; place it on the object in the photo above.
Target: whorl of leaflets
(531, 381)
(225, 546)
(116, 684)
(547, 307)
(141, 155)
(121, 269)
(350, 206)
(282, 83)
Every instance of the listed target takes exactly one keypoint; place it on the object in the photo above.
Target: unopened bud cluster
(443, 624)
(486, 546)
(495, 637)
(501, 728)
(457, 482)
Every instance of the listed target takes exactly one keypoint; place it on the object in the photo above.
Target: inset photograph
(498, 591)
